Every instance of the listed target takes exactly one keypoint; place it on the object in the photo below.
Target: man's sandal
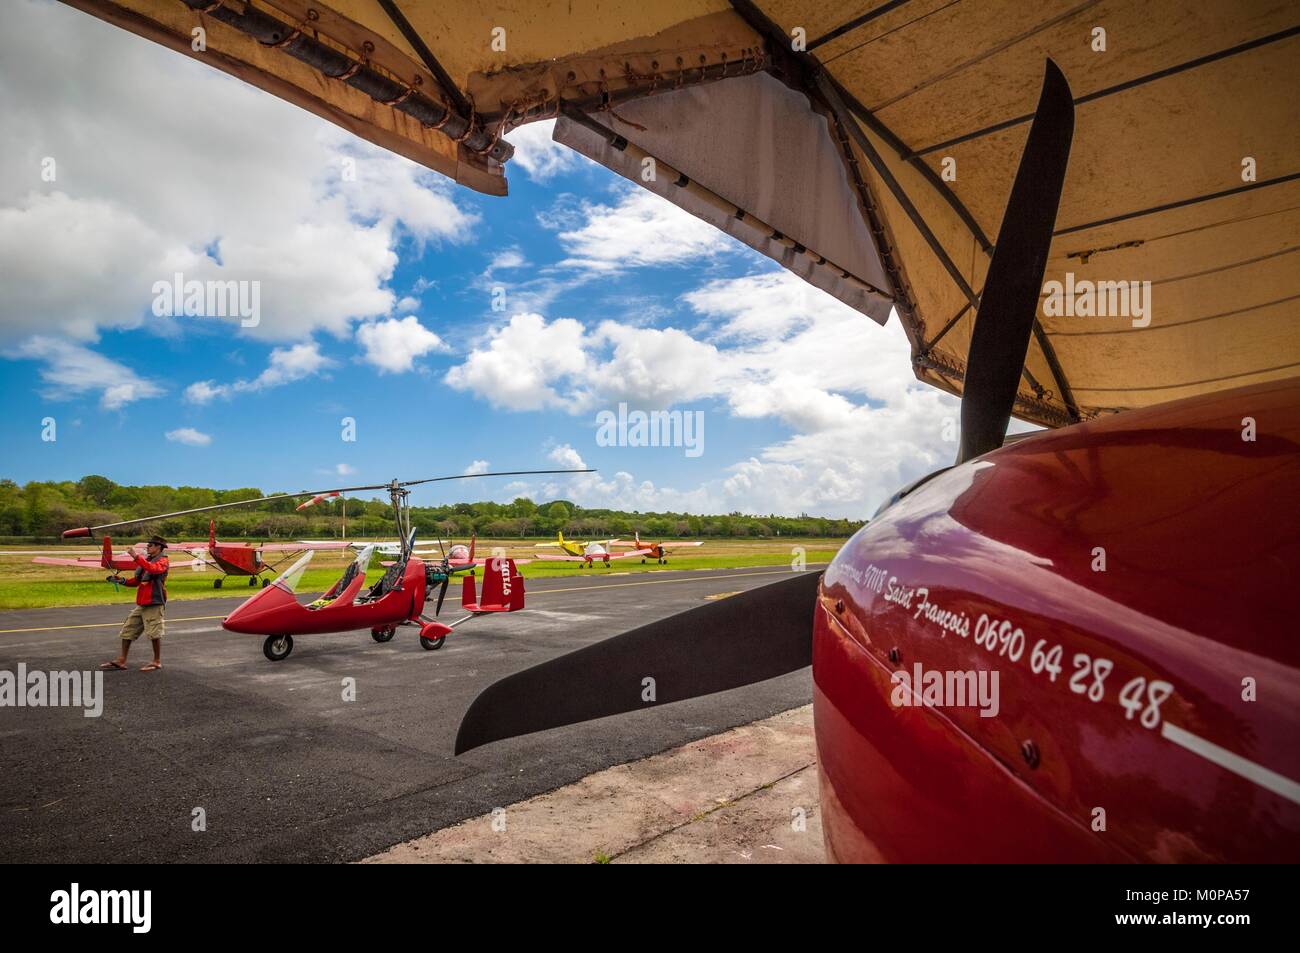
(151, 667)
(114, 664)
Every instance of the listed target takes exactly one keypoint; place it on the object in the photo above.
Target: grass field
(25, 585)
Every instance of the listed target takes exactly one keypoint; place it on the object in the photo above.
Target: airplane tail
(503, 588)
(106, 557)
(559, 537)
(212, 535)
(473, 539)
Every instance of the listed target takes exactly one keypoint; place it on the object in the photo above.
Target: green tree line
(45, 509)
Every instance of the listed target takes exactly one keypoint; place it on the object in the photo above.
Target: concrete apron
(748, 795)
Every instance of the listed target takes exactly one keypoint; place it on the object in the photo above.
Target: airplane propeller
(442, 594)
(765, 632)
(1009, 302)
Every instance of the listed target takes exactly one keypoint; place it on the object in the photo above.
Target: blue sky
(377, 298)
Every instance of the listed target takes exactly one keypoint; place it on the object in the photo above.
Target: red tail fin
(473, 539)
(503, 588)
(106, 556)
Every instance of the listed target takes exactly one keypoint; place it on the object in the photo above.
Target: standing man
(150, 599)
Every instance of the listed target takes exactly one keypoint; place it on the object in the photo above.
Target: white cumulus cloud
(640, 229)
(189, 436)
(285, 366)
(394, 344)
(521, 362)
(540, 156)
(73, 370)
(258, 182)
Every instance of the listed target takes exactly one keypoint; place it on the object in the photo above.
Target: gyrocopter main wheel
(383, 635)
(277, 647)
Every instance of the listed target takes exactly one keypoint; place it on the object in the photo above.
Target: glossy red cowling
(1123, 593)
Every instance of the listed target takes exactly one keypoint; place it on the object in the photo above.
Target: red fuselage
(236, 560)
(1131, 583)
(275, 610)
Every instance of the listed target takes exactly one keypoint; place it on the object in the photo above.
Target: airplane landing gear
(277, 647)
(252, 580)
(383, 635)
(216, 583)
(432, 635)
(265, 583)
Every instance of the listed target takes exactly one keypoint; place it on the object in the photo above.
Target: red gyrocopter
(397, 599)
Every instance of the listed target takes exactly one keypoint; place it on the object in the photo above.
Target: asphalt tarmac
(281, 766)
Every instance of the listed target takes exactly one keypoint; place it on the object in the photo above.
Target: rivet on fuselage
(1030, 752)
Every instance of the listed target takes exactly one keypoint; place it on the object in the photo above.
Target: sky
(455, 331)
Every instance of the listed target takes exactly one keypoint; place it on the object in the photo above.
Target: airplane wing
(544, 545)
(93, 562)
(85, 562)
(302, 544)
(679, 545)
(564, 559)
(634, 552)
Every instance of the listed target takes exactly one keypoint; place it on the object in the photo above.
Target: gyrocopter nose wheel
(383, 635)
(277, 647)
(432, 635)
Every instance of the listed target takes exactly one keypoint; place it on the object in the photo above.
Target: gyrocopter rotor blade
(394, 485)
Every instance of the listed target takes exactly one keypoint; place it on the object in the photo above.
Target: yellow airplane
(587, 553)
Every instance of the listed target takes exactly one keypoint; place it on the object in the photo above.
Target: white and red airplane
(657, 551)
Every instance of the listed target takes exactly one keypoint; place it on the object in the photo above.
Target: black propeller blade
(1009, 302)
(442, 594)
(736, 641)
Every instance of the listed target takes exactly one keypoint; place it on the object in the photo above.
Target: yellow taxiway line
(539, 592)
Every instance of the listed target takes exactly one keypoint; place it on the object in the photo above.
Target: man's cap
(158, 541)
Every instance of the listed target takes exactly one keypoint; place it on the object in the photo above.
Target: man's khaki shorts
(146, 619)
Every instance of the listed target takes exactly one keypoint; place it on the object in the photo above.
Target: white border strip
(1233, 762)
